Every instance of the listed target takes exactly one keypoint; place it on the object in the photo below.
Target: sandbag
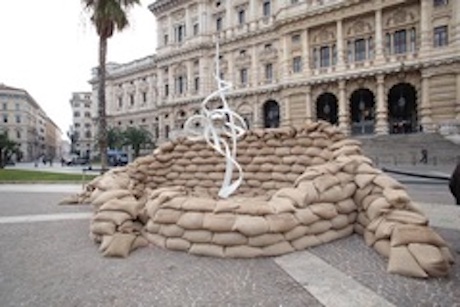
(199, 204)
(430, 259)
(386, 181)
(251, 225)
(281, 222)
(325, 181)
(325, 210)
(383, 247)
(130, 207)
(116, 217)
(177, 244)
(197, 236)
(305, 242)
(171, 230)
(120, 245)
(396, 197)
(407, 217)
(277, 249)
(319, 227)
(207, 250)
(103, 228)
(229, 239)
(402, 262)
(298, 196)
(265, 239)
(281, 204)
(312, 194)
(167, 216)
(346, 206)
(405, 234)
(377, 208)
(296, 232)
(242, 251)
(306, 216)
(108, 195)
(155, 239)
(340, 221)
(191, 220)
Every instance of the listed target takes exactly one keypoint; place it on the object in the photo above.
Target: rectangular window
(18, 134)
(165, 39)
(120, 102)
(241, 17)
(295, 39)
(244, 76)
(144, 97)
(5, 106)
(180, 33)
(388, 43)
(439, 2)
(219, 23)
(269, 72)
(360, 50)
(197, 84)
(180, 85)
(440, 36)
(334, 55)
(325, 56)
(195, 29)
(297, 64)
(5, 118)
(166, 89)
(315, 57)
(400, 42)
(131, 99)
(18, 119)
(370, 48)
(350, 51)
(17, 107)
(267, 8)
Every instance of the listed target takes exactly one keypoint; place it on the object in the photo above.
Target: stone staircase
(405, 149)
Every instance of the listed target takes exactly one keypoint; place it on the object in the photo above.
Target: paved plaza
(47, 259)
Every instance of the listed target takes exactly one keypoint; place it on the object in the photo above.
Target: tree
(7, 149)
(115, 138)
(107, 16)
(136, 138)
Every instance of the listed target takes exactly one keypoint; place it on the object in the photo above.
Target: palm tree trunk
(101, 103)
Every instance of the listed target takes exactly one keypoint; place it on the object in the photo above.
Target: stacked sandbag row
(316, 211)
(396, 228)
(271, 159)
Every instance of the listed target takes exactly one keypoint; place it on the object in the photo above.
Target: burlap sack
(197, 236)
(369, 237)
(229, 239)
(396, 197)
(105, 242)
(171, 230)
(374, 224)
(445, 251)
(352, 217)
(277, 249)
(296, 232)
(358, 228)
(199, 204)
(405, 234)
(332, 234)
(102, 228)
(177, 244)
(242, 251)
(305, 242)
(361, 193)
(281, 204)
(369, 199)
(281, 222)
(222, 222)
(116, 217)
(311, 193)
(430, 259)
(251, 225)
(382, 247)
(363, 219)
(333, 195)
(363, 180)
(377, 208)
(120, 245)
(297, 195)
(385, 229)
(108, 195)
(167, 216)
(207, 250)
(226, 205)
(130, 207)
(253, 206)
(306, 216)
(402, 262)
(191, 220)
(319, 227)
(346, 206)
(345, 142)
(340, 221)
(265, 239)
(131, 227)
(407, 217)
(155, 239)
(325, 211)
(343, 177)
(386, 181)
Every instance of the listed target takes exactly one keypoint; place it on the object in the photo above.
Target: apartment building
(370, 67)
(82, 131)
(27, 124)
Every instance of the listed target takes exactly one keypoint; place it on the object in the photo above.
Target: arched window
(271, 114)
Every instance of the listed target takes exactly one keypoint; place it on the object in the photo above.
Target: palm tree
(115, 138)
(136, 137)
(107, 16)
(7, 149)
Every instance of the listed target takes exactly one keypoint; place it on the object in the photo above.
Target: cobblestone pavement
(54, 263)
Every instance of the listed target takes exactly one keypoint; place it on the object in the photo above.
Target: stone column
(202, 23)
(188, 24)
(254, 66)
(425, 107)
(382, 110)
(340, 51)
(306, 53)
(425, 23)
(256, 109)
(285, 63)
(379, 53)
(344, 123)
(189, 89)
(308, 106)
(286, 119)
(253, 14)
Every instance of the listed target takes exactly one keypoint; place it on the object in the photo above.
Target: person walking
(454, 184)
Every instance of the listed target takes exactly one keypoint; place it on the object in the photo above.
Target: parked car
(117, 158)
(75, 160)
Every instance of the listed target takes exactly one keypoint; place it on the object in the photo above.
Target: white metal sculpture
(219, 127)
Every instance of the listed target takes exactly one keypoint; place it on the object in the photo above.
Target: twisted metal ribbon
(217, 126)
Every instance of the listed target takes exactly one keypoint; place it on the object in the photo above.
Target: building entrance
(402, 109)
(326, 108)
(271, 114)
(362, 105)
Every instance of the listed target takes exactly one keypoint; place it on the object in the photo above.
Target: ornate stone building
(27, 124)
(82, 131)
(371, 67)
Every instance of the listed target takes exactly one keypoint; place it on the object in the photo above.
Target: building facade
(370, 67)
(82, 131)
(27, 124)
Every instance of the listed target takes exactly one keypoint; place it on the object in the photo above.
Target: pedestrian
(424, 158)
(454, 184)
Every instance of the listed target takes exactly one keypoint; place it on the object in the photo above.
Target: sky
(48, 48)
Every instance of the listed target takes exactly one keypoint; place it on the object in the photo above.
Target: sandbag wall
(302, 187)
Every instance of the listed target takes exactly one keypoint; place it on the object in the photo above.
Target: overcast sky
(49, 47)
